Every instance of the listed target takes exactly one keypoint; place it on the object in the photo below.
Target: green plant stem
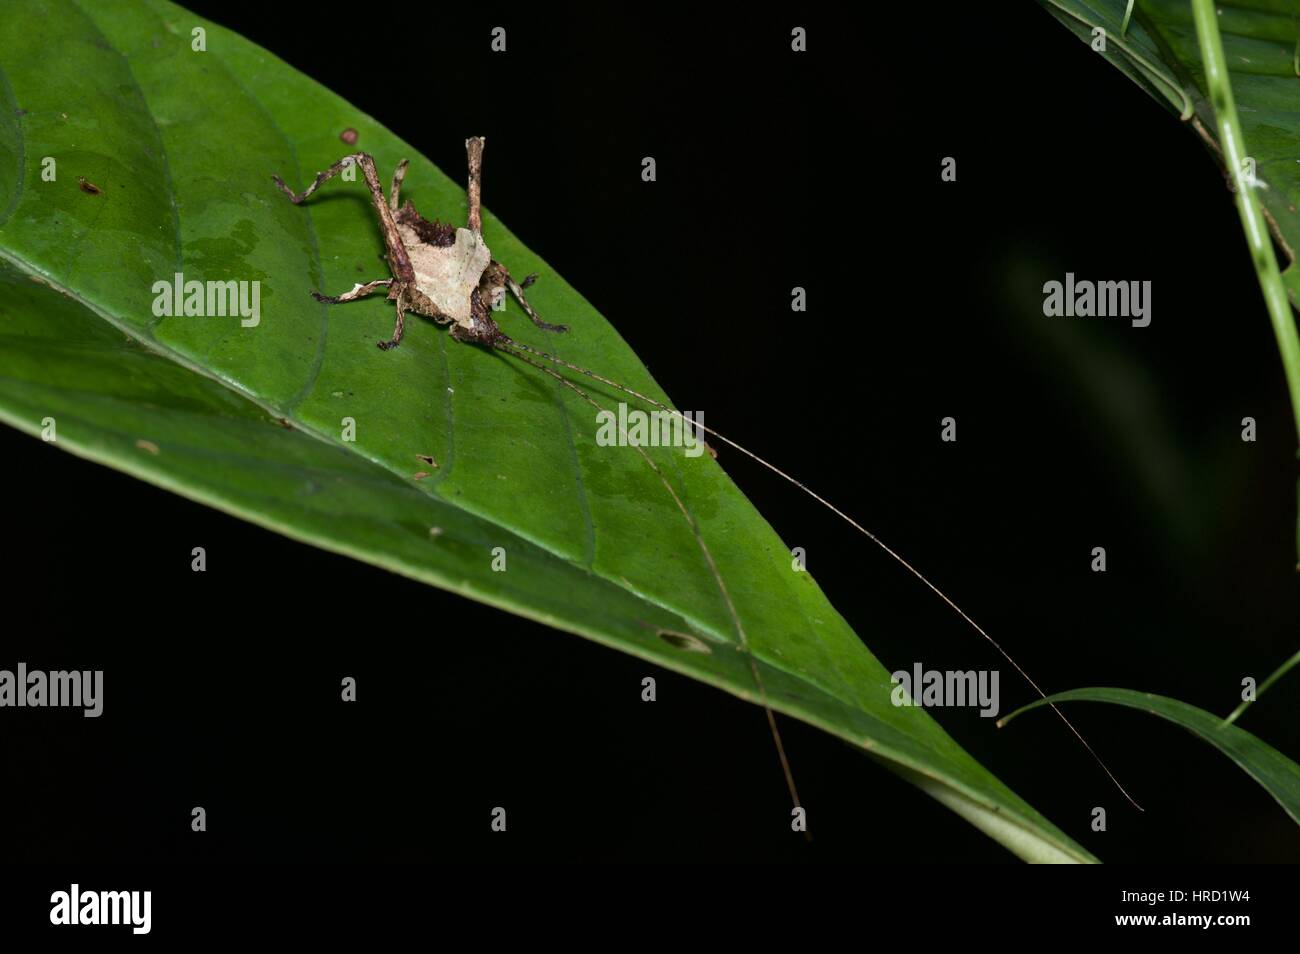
(1233, 144)
(1278, 673)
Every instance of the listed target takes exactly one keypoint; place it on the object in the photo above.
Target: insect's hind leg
(358, 291)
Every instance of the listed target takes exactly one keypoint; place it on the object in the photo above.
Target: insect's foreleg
(517, 290)
(400, 327)
(358, 291)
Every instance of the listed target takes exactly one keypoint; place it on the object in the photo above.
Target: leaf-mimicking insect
(438, 271)
(448, 275)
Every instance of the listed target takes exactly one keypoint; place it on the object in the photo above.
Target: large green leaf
(182, 146)
(1265, 764)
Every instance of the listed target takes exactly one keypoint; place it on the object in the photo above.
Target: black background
(774, 170)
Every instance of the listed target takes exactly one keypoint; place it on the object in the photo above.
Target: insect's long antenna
(510, 345)
(505, 344)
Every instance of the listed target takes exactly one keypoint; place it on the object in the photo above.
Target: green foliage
(182, 145)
